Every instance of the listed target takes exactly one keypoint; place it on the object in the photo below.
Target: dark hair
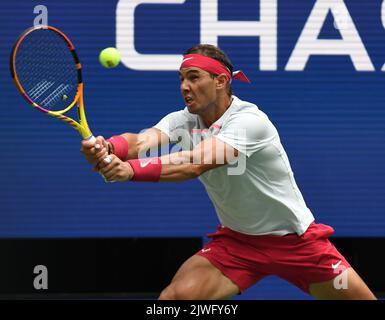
(214, 52)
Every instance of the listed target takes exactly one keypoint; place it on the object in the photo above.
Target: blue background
(330, 118)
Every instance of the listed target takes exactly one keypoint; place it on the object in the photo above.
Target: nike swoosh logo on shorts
(334, 266)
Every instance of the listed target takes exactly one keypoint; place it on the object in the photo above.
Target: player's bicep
(212, 153)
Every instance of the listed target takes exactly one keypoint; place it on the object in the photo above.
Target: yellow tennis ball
(109, 57)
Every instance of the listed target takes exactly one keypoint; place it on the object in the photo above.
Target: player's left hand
(116, 169)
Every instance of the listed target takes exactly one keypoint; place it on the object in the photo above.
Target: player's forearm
(185, 165)
(132, 142)
(179, 166)
(139, 144)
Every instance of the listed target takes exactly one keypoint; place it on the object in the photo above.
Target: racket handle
(91, 138)
(106, 159)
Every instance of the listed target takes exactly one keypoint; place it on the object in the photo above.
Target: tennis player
(233, 148)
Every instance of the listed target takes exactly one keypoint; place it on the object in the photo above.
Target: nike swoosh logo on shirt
(334, 266)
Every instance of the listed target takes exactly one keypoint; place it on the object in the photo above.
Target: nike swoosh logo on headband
(184, 60)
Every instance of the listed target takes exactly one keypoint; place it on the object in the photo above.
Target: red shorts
(301, 260)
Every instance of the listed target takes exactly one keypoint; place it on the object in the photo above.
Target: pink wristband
(120, 146)
(148, 169)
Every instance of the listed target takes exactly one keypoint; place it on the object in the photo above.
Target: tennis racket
(47, 72)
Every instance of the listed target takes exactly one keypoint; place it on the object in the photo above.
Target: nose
(184, 86)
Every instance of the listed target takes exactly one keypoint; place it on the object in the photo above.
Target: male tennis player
(266, 227)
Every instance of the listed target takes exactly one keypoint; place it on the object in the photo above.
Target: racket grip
(91, 138)
(106, 159)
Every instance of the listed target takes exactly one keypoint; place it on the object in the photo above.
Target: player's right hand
(94, 152)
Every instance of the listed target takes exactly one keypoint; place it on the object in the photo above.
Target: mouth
(188, 100)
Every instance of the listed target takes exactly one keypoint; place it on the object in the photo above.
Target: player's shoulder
(247, 111)
(247, 116)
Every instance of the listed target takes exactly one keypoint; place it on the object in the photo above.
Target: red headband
(212, 66)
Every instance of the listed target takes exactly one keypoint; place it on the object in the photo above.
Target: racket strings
(46, 70)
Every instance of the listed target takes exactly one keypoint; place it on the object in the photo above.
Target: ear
(221, 81)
